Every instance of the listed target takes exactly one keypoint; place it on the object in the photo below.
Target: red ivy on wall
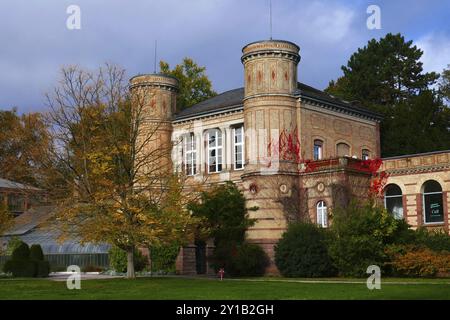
(379, 178)
(287, 148)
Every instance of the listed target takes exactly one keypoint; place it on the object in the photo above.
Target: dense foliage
(27, 263)
(194, 84)
(361, 233)
(434, 240)
(36, 252)
(118, 260)
(225, 218)
(224, 213)
(387, 76)
(163, 257)
(366, 234)
(13, 243)
(248, 260)
(303, 252)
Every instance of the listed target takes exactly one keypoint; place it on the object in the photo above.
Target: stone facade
(336, 134)
(410, 173)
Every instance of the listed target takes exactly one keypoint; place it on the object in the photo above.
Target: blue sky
(35, 43)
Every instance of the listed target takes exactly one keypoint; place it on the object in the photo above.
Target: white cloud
(330, 23)
(436, 48)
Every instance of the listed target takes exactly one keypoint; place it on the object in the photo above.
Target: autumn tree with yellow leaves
(117, 189)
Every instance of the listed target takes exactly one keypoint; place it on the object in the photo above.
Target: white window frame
(320, 155)
(190, 154)
(395, 196)
(322, 214)
(237, 144)
(217, 147)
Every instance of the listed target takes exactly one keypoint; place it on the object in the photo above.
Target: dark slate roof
(224, 101)
(233, 99)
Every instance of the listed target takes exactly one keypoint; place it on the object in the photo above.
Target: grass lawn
(207, 289)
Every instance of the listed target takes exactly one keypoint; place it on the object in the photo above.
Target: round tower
(270, 117)
(154, 103)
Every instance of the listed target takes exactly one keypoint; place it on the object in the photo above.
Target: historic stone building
(261, 135)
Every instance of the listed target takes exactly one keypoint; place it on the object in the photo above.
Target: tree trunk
(130, 264)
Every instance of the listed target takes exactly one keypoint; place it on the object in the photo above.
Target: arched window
(214, 140)
(318, 149)
(433, 209)
(393, 200)
(322, 215)
(342, 149)
(365, 154)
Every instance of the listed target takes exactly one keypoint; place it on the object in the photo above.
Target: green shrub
(118, 260)
(302, 252)
(163, 258)
(27, 262)
(13, 243)
(223, 254)
(20, 268)
(42, 268)
(22, 252)
(250, 260)
(361, 233)
(36, 253)
(434, 240)
(240, 260)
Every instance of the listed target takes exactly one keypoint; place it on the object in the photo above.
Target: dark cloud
(35, 43)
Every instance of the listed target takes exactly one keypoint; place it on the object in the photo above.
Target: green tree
(224, 213)
(225, 218)
(387, 76)
(24, 142)
(417, 125)
(444, 85)
(383, 73)
(361, 233)
(195, 85)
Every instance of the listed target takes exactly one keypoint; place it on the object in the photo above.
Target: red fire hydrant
(221, 273)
